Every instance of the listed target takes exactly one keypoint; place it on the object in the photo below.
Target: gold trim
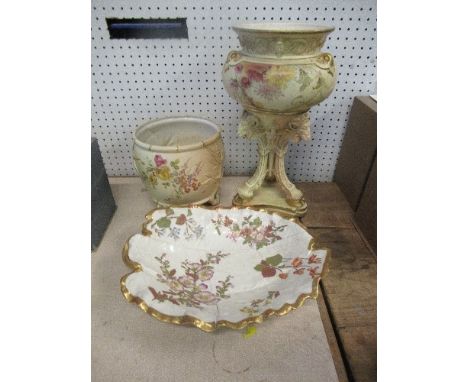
(294, 211)
(295, 202)
(212, 326)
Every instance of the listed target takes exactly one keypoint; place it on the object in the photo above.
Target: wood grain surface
(366, 213)
(350, 289)
(326, 206)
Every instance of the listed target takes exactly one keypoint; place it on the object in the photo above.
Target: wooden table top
(348, 302)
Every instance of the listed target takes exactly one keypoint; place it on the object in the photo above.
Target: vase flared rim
(283, 28)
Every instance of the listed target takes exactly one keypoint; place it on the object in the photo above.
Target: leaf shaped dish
(221, 267)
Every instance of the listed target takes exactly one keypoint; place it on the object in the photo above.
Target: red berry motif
(297, 262)
(283, 276)
(181, 219)
(313, 259)
(268, 271)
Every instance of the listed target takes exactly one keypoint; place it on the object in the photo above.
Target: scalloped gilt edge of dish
(188, 320)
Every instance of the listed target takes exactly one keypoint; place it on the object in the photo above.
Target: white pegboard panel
(139, 79)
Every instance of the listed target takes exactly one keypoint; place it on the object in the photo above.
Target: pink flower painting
(252, 231)
(189, 288)
(159, 160)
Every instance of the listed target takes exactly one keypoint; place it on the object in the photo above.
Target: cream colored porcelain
(180, 160)
(277, 76)
(223, 267)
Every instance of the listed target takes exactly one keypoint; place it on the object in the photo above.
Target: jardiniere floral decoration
(180, 160)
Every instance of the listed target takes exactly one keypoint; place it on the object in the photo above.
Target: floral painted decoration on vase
(176, 225)
(256, 305)
(268, 81)
(282, 266)
(251, 230)
(179, 177)
(190, 289)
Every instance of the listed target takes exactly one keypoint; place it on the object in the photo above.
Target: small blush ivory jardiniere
(180, 160)
(279, 74)
(223, 267)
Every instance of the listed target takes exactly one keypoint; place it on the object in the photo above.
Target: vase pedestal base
(270, 197)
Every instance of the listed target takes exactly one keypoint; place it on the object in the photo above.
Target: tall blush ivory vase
(278, 75)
